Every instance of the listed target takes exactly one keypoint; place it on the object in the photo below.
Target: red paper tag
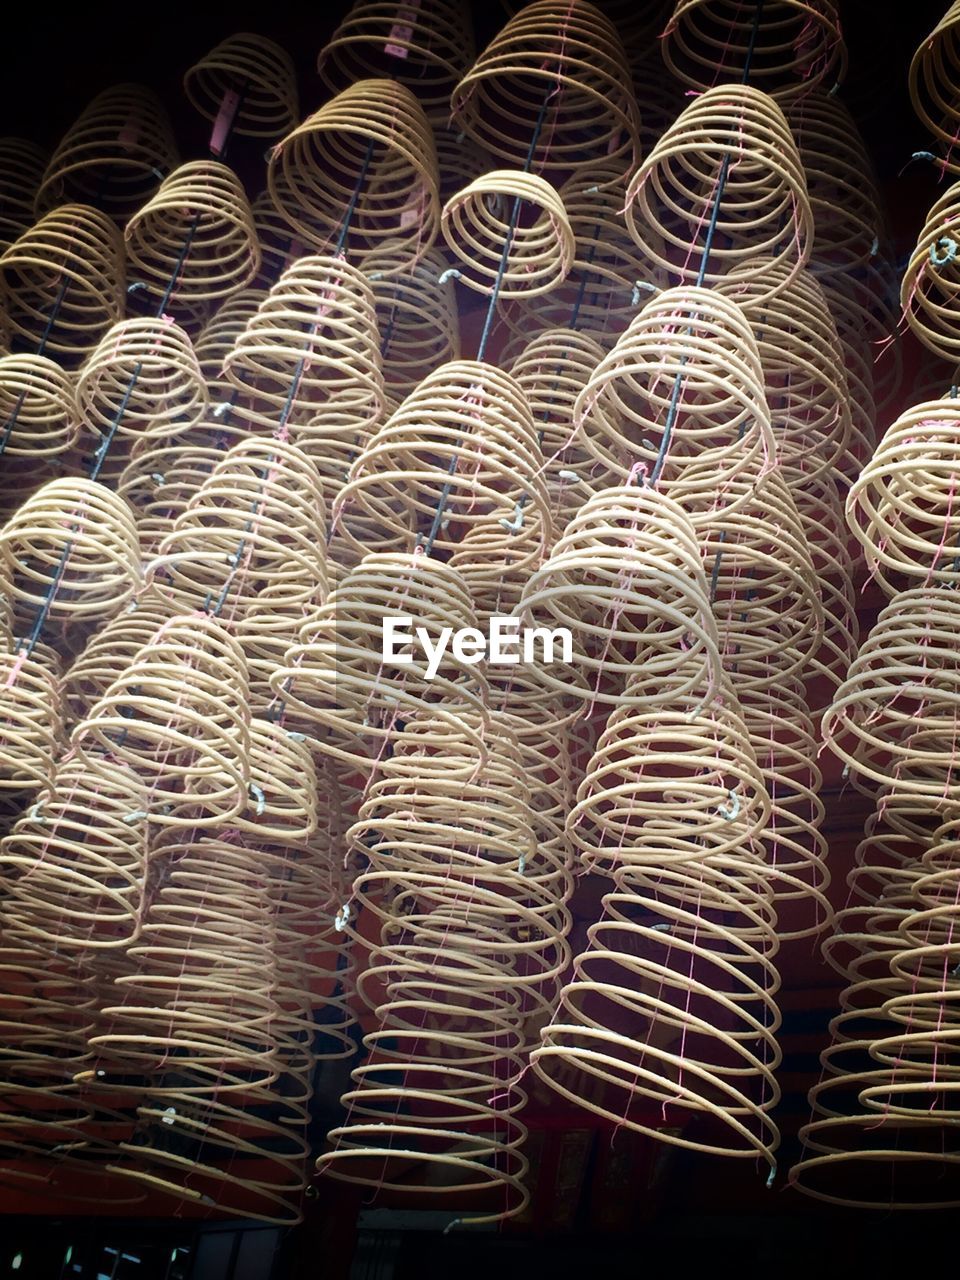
(402, 30)
(224, 121)
(130, 132)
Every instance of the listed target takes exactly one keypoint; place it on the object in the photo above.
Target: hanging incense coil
(255, 524)
(247, 85)
(901, 507)
(551, 371)
(671, 1010)
(530, 253)
(188, 737)
(142, 380)
(682, 388)
(21, 170)
(114, 155)
(804, 378)
(843, 194)
(858, 362)
(599, 293)
(764, 594)
(39, 416)
(794, 46)
(219, 335)
(361, 170)
(564, 64)
(469, 937)
(338, 677)
(74, 869)
(626, 578)
(109, 652)
(673, 778)
(282, 801)
(71, 549)
(461, 448)
(820, 510)
(162, 476)
(63, 281)
(313, 339)
(31, 726)
(416, 316)
(727, 169)
(425, 46)
(863, 1121)
(935, 85)
(929, 285)
(897, 709)
(782, 737)
(194, 240)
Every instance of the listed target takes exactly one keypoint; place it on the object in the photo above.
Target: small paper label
(402, 29)
(224, 121)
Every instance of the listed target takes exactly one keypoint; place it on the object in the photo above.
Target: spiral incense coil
(782, 737)
(21, 170)
(109, 652)
(39, 416)
(197, 231)
(864, 1107)
(796, 46)
(312, 339)
(901, 507)
(114, 155)
(425, 46)
(476, 830)
(71, 550)
(843, 194)
(216, 1154)
(66, 274)
(283, 790)
(530, 254)
(820, 510)
(761, 209)
(671, 1005)
(338, 677)
(416, 316)
(188, 737)
(566, 62)
(935, 85)
(142, 380)
(929, 285)
(763, 590)
(859, 364)
(361, 170)
(598, 294)
(897, 709)
(670, 783)
(31, 726)
(255, 524)
(218, 336)
(551, 371)
(683, 386)
(463, 441)
(74, 868)
(626, 579)
(804, 378)
(247, 85)
(161, 477)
